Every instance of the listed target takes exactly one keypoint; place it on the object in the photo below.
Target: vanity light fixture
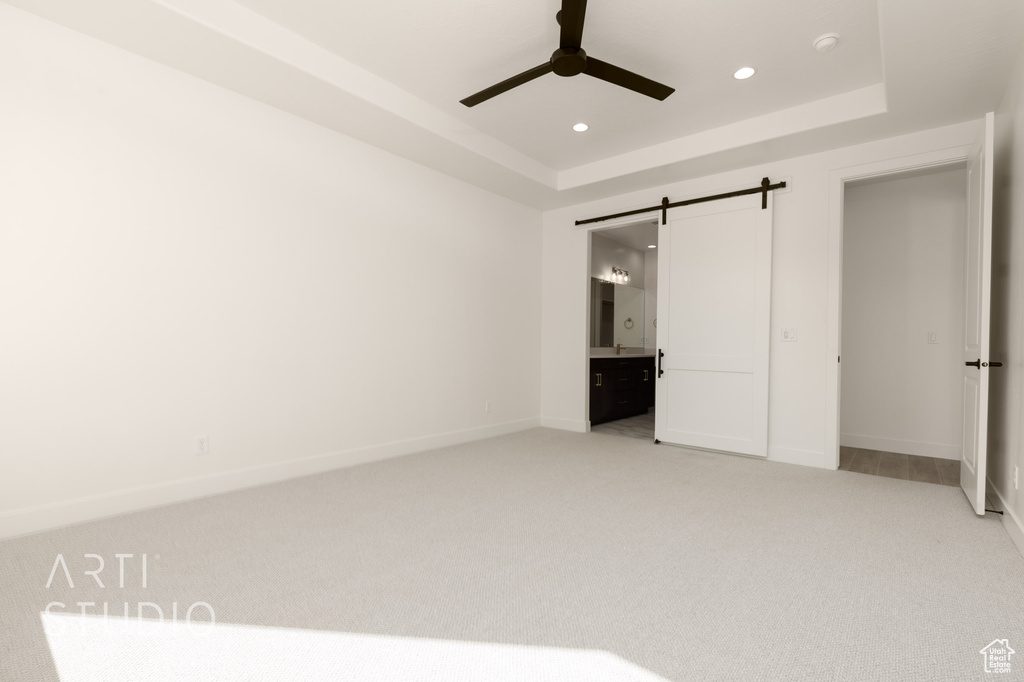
(620, 275)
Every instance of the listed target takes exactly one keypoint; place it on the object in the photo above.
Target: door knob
(976, 363)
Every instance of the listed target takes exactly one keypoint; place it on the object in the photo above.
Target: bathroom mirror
(616, 314)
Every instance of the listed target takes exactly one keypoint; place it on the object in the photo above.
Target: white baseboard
(1011, 522)
(809, 458)
(68, 512)
(907, 447)
(576, 425)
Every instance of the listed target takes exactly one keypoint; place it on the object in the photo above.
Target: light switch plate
(789, 335)
(933, 337)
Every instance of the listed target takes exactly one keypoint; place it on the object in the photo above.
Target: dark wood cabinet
(620, 387)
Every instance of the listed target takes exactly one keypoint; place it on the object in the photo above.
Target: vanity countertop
(610, 353)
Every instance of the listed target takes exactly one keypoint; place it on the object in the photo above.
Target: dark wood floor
(895, 465)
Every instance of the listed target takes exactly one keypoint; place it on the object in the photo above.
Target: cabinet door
(647, 386)
(600, 396)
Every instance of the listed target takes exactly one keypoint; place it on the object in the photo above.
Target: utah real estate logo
(997, 656)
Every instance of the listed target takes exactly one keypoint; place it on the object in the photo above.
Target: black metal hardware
(994, 511)
(976, 363)
(660, 356)
(992, 364)
(761, 189)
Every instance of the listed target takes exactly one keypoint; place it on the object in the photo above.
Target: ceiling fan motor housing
(569, 62)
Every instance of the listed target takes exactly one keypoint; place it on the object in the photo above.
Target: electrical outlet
(789, 335)
(933, 337)
(202, 445)
(488, 406)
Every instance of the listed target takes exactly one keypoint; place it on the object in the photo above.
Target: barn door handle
(976, 363)
(991, 364)
(660, 356)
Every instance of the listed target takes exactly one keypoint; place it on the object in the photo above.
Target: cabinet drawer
(623, 401)
(617, 362)
(622, 378)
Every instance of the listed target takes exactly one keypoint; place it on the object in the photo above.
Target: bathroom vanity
(620, 386)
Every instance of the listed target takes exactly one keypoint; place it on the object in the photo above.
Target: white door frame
(837, 180)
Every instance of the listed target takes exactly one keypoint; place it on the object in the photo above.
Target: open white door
(978, 287)
(714, 296)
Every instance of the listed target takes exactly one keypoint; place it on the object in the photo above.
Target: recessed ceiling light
(652, 246)
(826, 42)
(580, 127)
(744, 73)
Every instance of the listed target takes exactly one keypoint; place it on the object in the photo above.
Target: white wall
(629, 316)
(177, 260)
(800, 281)
(1006, 402)
(903, 277)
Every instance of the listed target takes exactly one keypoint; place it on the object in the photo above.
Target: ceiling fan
(570, 60)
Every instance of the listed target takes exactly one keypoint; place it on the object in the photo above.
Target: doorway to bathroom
(622, 324)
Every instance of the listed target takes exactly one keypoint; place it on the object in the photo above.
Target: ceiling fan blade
(627, 79)
(571, 18)
(507, 84)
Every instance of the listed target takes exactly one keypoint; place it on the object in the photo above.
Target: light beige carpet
(688, 565)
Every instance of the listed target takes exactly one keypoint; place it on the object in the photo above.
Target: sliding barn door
(976, 317)
(714, 298)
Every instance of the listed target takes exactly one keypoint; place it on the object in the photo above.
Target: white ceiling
(392, 73)
(639, 236)
(443, 52)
